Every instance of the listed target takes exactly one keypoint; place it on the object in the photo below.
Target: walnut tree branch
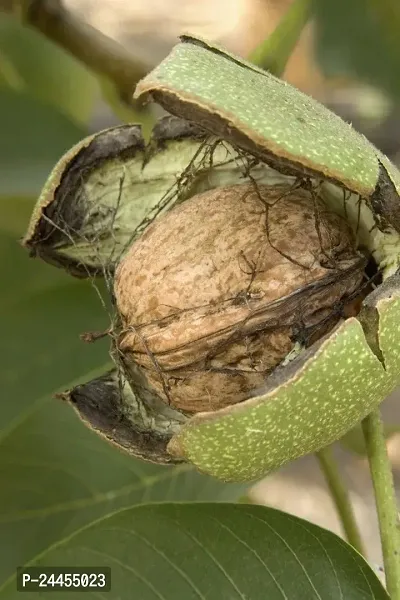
(97, 51)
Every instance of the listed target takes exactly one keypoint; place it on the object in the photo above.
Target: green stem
(385, 497)
(274, 52)
(341, 498)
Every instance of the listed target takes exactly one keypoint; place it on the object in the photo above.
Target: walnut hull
(215, 293)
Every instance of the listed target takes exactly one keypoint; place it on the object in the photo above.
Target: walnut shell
(215, 293)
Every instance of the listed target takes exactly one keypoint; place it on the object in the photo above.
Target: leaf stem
(340, 497)
(274, 52)
(385, 497)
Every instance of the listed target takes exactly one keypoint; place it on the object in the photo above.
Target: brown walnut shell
(215, 293)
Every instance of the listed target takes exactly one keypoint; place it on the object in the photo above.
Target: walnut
(215, 294)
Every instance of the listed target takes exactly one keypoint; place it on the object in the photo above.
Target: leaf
(19, 274)
(56, 474)
(207, 551)
(48, 73)
(369, 45)
(33, 136)
(14, 214)
(9, 75)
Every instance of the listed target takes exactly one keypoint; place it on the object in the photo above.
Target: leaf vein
(259, 558)
(290, 550)
(182, 573)
(128, 568)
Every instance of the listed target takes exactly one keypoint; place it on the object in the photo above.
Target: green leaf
(9, 75)
(56, 474)
(15, 213)
(33, 137)
(230, 552)
(47, 72)
(21, 277)
(369, 45)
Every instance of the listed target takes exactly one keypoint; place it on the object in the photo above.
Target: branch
(97, 51)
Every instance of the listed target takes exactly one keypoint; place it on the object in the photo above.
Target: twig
(97, 51)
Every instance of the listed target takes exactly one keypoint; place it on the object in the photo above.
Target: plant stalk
(385, 498)
(97, 51)
(341, 498)
(274, 52)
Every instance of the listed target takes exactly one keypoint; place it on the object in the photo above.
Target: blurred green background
(55, 474)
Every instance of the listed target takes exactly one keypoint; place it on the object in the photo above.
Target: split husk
(321, 367)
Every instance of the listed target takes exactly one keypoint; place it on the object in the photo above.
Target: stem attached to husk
(340, 497)
(385, 497)
(274, 52)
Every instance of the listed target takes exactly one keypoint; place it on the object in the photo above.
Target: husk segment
(103, 190)
(108, 406)
(268, 118)
(306, 405)
(107, 189)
